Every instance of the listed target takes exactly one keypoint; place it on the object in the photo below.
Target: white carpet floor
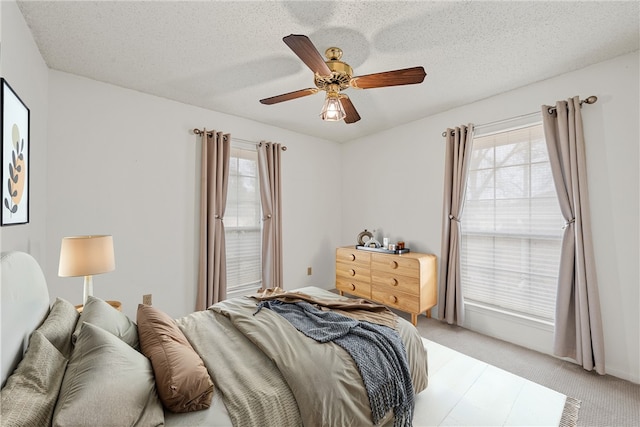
(464, 391)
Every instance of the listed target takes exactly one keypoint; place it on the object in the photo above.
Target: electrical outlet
(146, 299)
(308, 271)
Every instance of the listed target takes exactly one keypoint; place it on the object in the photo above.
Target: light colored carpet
(605, 400)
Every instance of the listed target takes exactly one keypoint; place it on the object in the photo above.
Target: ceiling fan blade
(288, 96)
(406, 76)
(352, 115)
(307, 52)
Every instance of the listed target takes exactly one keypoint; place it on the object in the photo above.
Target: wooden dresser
(406, 282)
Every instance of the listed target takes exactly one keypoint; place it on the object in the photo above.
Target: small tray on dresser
(383, 250)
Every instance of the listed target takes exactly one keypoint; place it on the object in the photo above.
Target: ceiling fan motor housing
(341, 72)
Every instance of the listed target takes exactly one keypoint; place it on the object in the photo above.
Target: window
(243, 222)
(511, 225)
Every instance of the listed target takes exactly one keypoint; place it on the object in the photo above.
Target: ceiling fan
(333, 76)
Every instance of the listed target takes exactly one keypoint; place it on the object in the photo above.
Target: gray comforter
(269, 374)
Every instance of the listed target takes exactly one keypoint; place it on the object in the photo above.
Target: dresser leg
(341, 293)
(428, 313)
(414, 319)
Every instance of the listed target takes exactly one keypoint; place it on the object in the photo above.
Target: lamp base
(88, 288)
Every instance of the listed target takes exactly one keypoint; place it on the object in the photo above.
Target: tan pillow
(107, 383)
(30, 393)
(60, 324)
(101, 314)
(183, 382)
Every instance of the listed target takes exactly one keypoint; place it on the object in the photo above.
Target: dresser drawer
(399, 300)
(403, 266)
(352, 255)
(354, 287)
(396, 283)
(359, 273)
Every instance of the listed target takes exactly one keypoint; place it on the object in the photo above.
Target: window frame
(513, 125)
(248, 287)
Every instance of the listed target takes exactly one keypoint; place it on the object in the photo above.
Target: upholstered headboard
(24, 303)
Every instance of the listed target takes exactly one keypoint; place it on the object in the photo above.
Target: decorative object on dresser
(364, 237)
(86, 256)
(405, 281)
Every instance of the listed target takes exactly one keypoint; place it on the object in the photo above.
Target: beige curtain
(270, 192)
(458, 155)
(578, 325)
(214, 178)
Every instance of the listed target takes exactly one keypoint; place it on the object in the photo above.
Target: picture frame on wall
(15, 122)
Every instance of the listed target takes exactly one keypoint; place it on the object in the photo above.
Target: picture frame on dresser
(15, 119)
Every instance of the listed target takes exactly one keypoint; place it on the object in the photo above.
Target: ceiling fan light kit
(332, 110)
(333, 76)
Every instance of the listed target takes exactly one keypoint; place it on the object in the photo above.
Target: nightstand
(115, 304)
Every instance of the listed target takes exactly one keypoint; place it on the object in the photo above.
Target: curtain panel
(269, 156)
(578, 324)
(214, 180)
(458, 156)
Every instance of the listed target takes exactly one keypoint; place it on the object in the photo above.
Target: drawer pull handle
(393, 264)
(393, 298)
(352, 256)
(394, 281)
(353, 287)
(352, 272)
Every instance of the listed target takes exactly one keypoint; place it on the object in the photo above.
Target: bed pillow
(101, 314)
(107, 382)
(60, 324)
(30, 394)
(183, 382)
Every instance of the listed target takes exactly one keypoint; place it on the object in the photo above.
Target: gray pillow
(101, 314)
(30, 394)
(60, 324)
(107, 383)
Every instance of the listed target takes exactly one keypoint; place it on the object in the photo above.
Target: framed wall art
(15, 121)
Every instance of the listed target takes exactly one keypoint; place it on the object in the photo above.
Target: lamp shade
(86, 256)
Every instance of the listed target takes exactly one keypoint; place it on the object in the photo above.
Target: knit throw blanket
(377, 351)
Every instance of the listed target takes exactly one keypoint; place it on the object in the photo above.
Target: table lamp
(86, 256)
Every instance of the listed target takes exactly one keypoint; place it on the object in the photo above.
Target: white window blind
(243, 223)
(511, 225)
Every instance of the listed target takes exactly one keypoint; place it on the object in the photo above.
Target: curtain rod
(590, 100)
(200, 132)
(283, 148)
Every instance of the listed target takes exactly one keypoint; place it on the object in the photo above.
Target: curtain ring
(568, 223)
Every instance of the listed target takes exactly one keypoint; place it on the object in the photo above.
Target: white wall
(27, 74)
(126, 163)
(402, 192)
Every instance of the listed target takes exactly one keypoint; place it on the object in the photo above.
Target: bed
(240, 362)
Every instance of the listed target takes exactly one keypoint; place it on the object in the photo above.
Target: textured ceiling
(225, 56)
